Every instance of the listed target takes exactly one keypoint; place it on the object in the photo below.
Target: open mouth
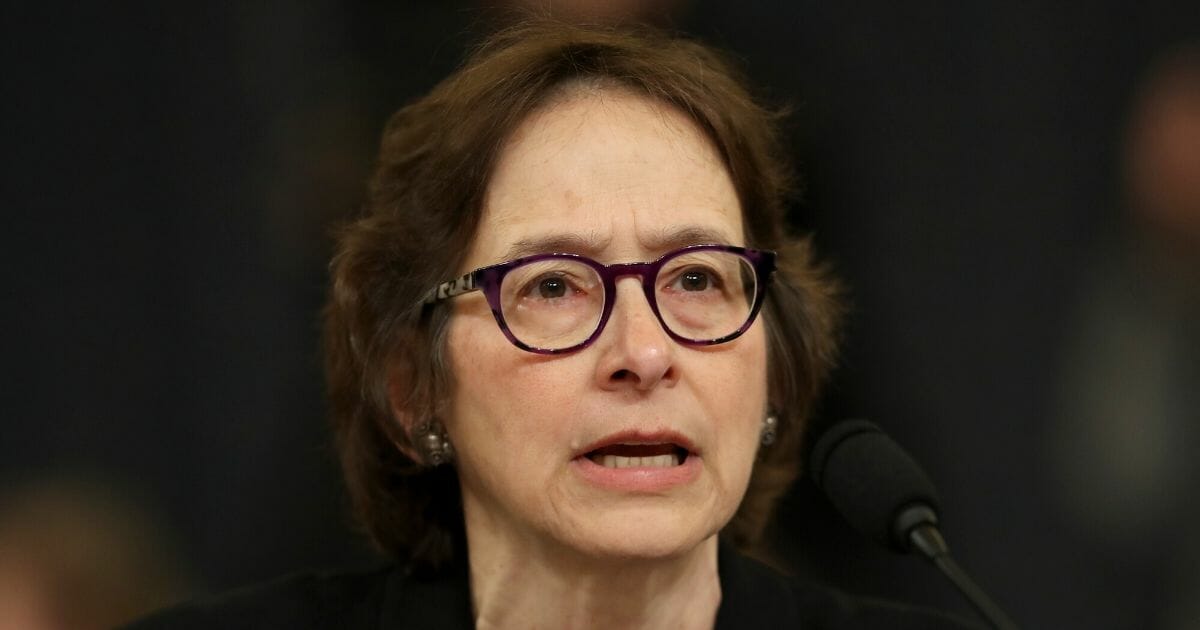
(660, 455)
(640, 462)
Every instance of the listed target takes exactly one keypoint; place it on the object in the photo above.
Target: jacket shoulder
(755, 595)
(828, 608)
(302, 601)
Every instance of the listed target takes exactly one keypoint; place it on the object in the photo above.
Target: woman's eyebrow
(557, 243)
(674, 238)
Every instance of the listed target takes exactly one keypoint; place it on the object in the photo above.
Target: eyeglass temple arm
(451, 288)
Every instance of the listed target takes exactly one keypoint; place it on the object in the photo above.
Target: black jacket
(752, 596)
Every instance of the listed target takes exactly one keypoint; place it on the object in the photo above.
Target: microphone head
(873, 482)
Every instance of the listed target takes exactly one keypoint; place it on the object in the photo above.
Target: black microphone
(884, 494)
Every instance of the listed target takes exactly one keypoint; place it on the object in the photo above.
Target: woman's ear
(403, 417)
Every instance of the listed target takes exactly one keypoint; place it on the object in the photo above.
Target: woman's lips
(645, 462)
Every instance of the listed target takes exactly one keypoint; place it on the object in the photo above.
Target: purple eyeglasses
(555, 303)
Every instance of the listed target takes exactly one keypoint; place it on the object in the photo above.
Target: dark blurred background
(1011, 190)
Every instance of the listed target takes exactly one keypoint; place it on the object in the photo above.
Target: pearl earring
(434, 442)
(770, 424)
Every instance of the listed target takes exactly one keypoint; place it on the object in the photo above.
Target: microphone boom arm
(926, 539)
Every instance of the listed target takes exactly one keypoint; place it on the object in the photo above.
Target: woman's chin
(631, 539)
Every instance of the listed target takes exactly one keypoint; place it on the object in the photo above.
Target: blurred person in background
(1128, 427)
(77, 554)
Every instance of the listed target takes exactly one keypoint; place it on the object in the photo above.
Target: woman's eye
(694, 281)
(551, 288)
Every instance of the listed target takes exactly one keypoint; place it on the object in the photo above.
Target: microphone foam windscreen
(869, 478)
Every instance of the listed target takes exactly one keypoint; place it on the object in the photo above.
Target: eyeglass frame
(488, 280)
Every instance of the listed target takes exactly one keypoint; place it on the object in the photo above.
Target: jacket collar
(752, 595)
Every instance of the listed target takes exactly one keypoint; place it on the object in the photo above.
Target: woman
(571, 351)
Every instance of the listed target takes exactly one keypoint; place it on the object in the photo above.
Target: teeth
(657, 461)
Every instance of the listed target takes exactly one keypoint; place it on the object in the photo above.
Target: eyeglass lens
(558, 302)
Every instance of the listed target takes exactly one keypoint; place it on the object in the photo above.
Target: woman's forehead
(602, 172)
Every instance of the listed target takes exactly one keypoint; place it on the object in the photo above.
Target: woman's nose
(635, 350)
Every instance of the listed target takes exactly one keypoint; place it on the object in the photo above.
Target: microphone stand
(926, 538)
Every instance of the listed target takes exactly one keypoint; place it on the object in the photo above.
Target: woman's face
(618, 178)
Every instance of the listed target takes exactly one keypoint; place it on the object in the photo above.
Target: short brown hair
(424, 203)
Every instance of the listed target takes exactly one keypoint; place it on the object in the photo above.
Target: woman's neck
(530, 586)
